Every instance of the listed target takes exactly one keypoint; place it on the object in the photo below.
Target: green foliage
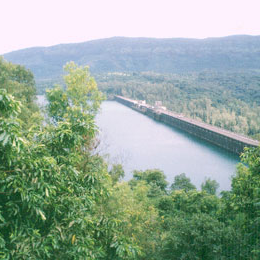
(9, 107)
(198, 236)
(82, 89)
(117, 173)
(52, 185)
(210, 186)
(181, 182)
(10, 136)
(242, 204)
(225, 99)
(189, 202)
(251, 157)
(19, 82)
(59, 201)
(214, 80)
(58, 103)
(199, 225)
(135, 218)
(256, 137)
(154, 178)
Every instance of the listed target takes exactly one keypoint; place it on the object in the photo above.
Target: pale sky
(29, 23)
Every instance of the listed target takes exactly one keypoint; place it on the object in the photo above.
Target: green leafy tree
(82, 88)
(210, 186)
(135, 222)
(117, 173)
(198, 236)
(190, 202)
(58, 103)
(181, 182)
(155, 176)
(242, 203)
(155, 179)
(52, 185)
(19, 82)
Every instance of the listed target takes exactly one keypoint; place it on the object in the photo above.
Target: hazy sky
(28, 23)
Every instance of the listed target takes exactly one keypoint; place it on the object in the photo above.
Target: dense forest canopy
(59, 200)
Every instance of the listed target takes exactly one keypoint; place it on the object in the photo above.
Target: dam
(230, 141)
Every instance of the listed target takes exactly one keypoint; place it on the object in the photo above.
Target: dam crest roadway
(228, 140)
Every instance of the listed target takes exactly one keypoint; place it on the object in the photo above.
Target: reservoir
(139, 143)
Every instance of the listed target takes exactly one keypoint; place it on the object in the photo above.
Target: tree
(242, 204)
(198, 236)
(192, 227)
(82, 89)
(181, 182)
(210, 186)
(52, 185)
(135, 221)
(189, 202)
(19, 82)
(117, 173)
(155, 178)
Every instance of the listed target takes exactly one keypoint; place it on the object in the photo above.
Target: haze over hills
(143, 54)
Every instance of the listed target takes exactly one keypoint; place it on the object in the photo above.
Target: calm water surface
(140, 143)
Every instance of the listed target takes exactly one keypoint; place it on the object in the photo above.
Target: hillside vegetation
(225, 99)
(216, 80)
(121, 54)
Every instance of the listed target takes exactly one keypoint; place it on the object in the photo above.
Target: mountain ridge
(127, 54)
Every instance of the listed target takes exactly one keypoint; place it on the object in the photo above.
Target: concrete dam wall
(228, 140)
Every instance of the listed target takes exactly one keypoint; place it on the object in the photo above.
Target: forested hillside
(121, 54)
(60, 200)
(215, 80)
(229, 100)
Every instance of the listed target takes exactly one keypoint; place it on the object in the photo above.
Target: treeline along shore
(228, 140)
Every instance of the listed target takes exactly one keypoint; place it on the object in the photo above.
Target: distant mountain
(143, 54)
